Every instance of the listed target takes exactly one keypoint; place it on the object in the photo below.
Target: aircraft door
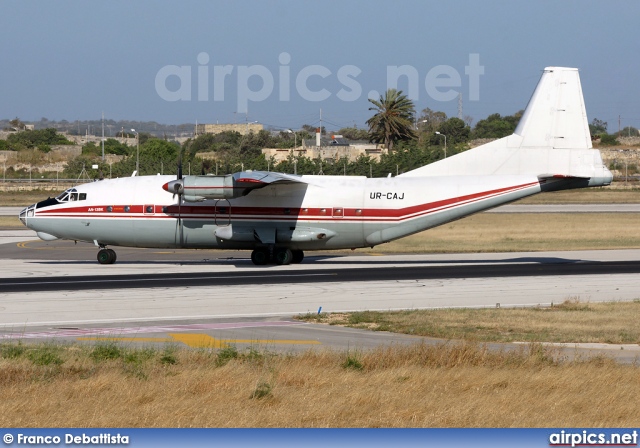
(222, 212)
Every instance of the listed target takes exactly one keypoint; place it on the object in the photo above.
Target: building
(241, 128)
(329, 149)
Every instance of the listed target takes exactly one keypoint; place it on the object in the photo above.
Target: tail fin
(552, 139)
(555, 116)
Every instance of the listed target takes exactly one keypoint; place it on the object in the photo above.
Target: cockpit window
(71, 195)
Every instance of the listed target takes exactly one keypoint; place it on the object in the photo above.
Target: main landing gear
(281, 256)
(106, 256)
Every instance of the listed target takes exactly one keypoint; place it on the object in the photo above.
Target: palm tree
(393, 119)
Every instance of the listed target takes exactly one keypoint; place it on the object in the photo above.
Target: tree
(598, 127)
(495, 126)
(456, 131)
(33, 139)
(113, 146)
(628, 131)
(393, 120)
(430, 120)
(312, 129)
(354, 133)
(17, 124)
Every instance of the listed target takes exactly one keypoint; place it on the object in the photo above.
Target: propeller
(178, 189)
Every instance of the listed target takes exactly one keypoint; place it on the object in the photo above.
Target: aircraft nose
(26, 213)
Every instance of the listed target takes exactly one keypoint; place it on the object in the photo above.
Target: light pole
(295, 138)
(418, 123)
(137, 152)
(445, 143)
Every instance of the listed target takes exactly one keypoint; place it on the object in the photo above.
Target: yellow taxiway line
(200, 340)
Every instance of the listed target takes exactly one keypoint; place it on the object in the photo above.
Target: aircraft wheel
(283, 256)
(114, 257)
(106, 256)
(260, 257)
(298, 256)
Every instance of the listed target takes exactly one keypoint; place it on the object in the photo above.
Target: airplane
(279, 216)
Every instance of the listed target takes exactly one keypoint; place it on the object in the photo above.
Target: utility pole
(618, 125)
(103, 136)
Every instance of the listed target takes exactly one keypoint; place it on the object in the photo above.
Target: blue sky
(74, 59)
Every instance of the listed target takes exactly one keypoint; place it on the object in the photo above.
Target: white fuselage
(325, 212)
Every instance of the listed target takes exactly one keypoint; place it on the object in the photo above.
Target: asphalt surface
(214, 299)
(308, 276)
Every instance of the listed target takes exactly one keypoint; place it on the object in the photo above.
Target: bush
(609, 139)
(45, 356)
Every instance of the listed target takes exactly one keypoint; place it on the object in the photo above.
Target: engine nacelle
(199, 188)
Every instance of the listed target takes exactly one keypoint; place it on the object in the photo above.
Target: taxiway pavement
(256, 313)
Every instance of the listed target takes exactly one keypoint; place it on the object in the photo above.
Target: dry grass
(509, 232)
(570, 322)
(10, 222)
(586, 196)
(25, 198)
(456, 385)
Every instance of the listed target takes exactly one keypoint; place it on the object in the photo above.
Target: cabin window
(83, 196)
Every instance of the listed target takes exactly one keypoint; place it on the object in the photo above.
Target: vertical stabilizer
(556, 116)
(552, 140)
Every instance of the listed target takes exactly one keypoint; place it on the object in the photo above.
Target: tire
(114, 257)
(298, 256)
(260, 257)
(283, 256)
(104, 257)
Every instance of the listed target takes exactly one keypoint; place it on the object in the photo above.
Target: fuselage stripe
(239, 213)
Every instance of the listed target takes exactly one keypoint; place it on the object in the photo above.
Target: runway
(216, 297)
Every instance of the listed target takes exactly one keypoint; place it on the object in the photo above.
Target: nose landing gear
(106, 256)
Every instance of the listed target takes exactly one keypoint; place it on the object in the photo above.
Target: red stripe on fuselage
(280, 213)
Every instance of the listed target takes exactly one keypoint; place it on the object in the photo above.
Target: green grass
(46, 355)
